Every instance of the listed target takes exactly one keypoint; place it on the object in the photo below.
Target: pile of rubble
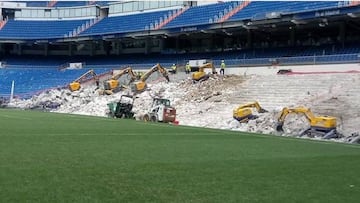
(204, 104)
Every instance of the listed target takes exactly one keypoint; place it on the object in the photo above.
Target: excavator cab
(201, 74)
(140, 85)
(113, 85)
(323, 126)
(76, 84)
(244, 113)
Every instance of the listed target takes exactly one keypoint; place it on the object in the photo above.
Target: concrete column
(19, 49)
(70, 50)
(92, 48)
(46, 49)
(292, 36)
(161, 44)
(342, 32)
(177, 44)
(248, 39)
(2, 51)
(147, 46)
(119, 47)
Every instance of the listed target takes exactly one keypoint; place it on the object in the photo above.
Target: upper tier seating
(36, 3)
(27, 29)
(127, 23)
(63, 3)
(198, 15)
(258, 9)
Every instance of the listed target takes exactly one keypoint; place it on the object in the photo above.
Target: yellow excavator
(201, 74)
(112, 86)
(323, 126)
(139, 86)
(76, 84)
(244, 113)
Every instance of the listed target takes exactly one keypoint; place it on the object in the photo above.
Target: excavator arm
(286, 111)
(243, 113)
(253, 105)
(207, 66)
(154, 69)
(141, 84)
(112, 86)
(128, 71)
(76, 84)
(201, 75)
(323, 123)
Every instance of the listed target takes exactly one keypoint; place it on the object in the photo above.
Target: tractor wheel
(153, 119)
(146, 118)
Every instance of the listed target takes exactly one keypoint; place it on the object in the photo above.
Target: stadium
(179, 101)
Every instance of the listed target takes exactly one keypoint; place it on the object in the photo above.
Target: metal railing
(299, 60)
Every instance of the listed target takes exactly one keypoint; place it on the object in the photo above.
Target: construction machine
(320, 126)
(160, 111)
(122, 108)
(284, 71)
(201, 74)
(244, 113)
(112, 86)
(139, 86)
(76, 84)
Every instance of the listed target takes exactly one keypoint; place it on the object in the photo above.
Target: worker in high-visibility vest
(187, 68)
(222, 67)
(173, 68)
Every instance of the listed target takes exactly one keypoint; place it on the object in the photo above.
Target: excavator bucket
(261, 110)
(279, 127)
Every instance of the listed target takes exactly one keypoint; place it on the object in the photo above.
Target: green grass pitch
(48, 157)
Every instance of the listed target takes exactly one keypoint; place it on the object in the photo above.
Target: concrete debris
(210, 103)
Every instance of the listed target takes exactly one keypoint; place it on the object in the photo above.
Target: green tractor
(122, 108)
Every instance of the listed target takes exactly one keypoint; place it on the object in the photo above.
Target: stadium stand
(127, 23)
(31, 80)
(199, 15)
(258, 10)
(36, 3)
(63, 3)
(27, 29)
(169, 23)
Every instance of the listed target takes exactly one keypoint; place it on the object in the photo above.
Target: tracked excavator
(112, 86)
(320, 126)
(76, 84)
(201, 75)
(244, 113)
(139, 86)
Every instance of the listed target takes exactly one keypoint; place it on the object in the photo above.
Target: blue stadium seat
(199, 15)
(27, 29)
(127, 23)
(258, 9)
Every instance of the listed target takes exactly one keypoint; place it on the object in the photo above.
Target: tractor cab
(122, 108)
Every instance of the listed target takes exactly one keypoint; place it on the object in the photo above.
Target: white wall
(268, 70)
